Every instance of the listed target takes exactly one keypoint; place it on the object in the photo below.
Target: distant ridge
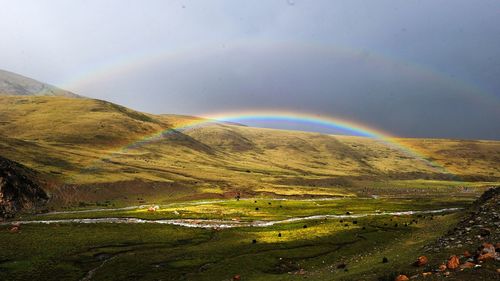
(12, 84)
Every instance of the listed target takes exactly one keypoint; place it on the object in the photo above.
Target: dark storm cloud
(413, 68)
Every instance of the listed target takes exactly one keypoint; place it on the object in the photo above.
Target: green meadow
(346, 248)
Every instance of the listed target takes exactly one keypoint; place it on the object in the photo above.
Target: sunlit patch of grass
(287, 190)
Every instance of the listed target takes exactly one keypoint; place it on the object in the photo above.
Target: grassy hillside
(83, 144)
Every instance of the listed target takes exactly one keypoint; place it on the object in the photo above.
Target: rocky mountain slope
(18, 85)
(469, 251)
(18, 190)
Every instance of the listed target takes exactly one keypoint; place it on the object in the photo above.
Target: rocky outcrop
(19, 190)
(473, 245)
(481, 224)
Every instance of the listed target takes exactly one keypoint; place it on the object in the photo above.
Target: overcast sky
(425, 68)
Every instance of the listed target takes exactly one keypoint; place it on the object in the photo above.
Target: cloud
(414, 68)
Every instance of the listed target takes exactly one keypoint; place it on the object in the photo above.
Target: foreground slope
(88, 145)
(18, 189)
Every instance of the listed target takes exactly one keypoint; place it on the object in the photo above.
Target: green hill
(87, 143)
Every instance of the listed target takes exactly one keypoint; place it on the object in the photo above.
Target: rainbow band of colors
(347, 127)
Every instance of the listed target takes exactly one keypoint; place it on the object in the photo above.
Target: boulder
(442, 267)
(486, 257)
(468, 265)
(453, 262)
(421, 261)
(487, 248)
(402, 277)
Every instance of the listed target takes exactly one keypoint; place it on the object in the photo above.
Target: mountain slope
(18, 85)
(90, 145)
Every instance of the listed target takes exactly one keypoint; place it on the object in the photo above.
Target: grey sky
(413, 68)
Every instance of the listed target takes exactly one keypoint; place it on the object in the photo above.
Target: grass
(81, 143)
(82, 150)
(153, 252)
(268, 209)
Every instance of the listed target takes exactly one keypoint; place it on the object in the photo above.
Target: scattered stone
(421, 261)
(453, 262)
(487, 248)
(425, 274)
(14, 229)
(484, 231)
(237, 277)
(402, 277)
(442, 267)
(486, 257)
(468, 265)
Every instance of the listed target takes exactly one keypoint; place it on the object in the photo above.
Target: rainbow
(117, 67)
(345, 126)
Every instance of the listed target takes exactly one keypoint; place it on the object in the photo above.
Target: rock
(487, 248)
(14, 229)
(421, 261)
(402, 277)
(484, 231)
(442, 267)
(425, 274)
(468, 265)
(19, 189)
(467, 254)
(237, 277)
(486, 257)
(453, 262)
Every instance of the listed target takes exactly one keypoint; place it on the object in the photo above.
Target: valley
(153, 197)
